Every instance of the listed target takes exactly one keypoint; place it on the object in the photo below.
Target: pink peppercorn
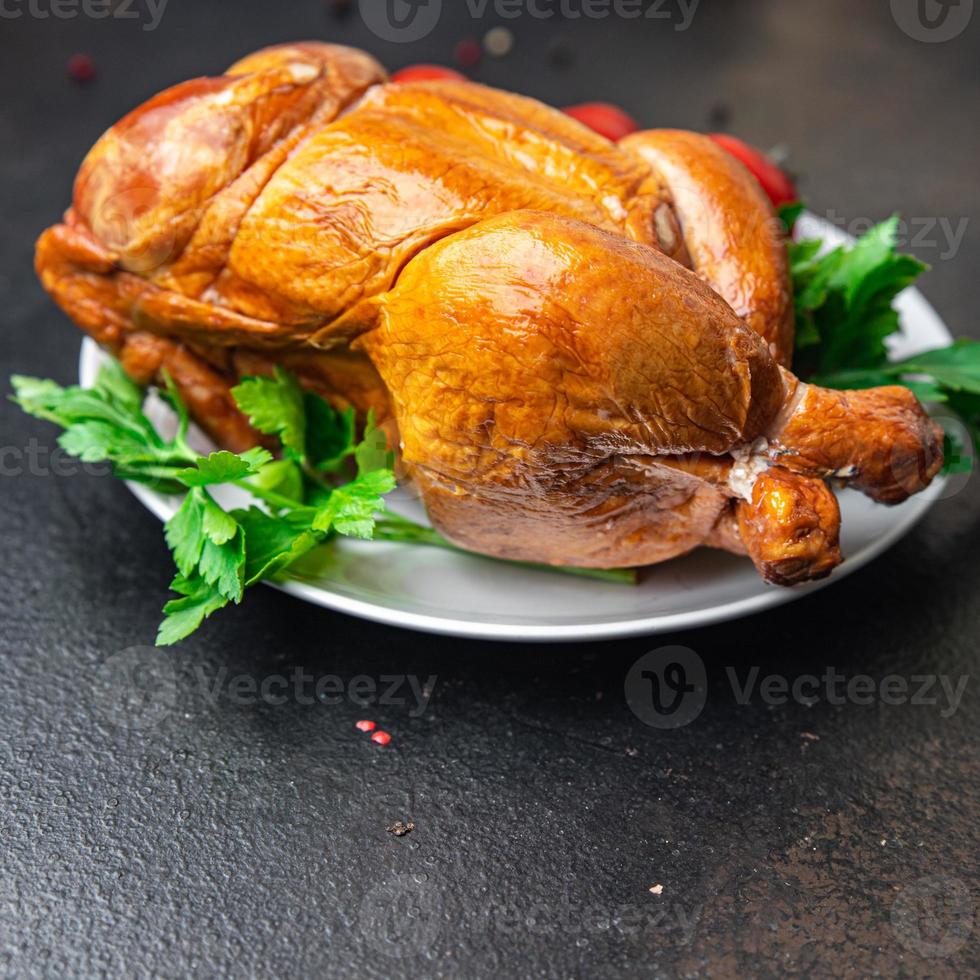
(81, 67)
(468, 53)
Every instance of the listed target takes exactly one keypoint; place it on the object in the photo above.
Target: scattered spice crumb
(81, 68)
(631, 752)
(560, 53)
(720, 116)
(382, 738)
(400, 829)
(498, 42)
(365, 725)
(656, 889)
(468, 53)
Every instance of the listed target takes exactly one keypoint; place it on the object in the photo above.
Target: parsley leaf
(311, 430)
(790, 213)
(329, 434)
(182, 616)
(283, 477)
(350, 509)
(844, 300)
(207, 541)
(223, 467)
(372, 452)
(272, 543)
(276, 407)
(954, 368)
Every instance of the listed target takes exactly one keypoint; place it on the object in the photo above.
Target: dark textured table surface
(186, 826)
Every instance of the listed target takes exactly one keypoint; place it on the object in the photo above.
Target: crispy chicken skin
(581, 348)
(734, 238)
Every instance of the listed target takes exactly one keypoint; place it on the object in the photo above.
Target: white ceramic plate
(430, 589)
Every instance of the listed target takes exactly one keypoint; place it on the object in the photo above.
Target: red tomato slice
(607, 120)
(774, 181)
(426, 73)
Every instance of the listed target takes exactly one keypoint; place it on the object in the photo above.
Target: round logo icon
(934, 916)
(401, 21)
(402, 915)
(959, 455)
(932, 21)
(667, 687)
(134, 689)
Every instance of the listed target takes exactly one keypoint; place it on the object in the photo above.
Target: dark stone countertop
(194, 832)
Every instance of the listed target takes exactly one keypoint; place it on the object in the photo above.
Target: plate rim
(453, 625)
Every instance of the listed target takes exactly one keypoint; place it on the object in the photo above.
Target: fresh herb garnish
(844, 300)
(327, 482)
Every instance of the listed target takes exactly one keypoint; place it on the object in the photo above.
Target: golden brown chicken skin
(580, 347)
(732, 234)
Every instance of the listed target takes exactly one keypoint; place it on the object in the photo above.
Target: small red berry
(426, 73)
(81, 67)
(468, 53)
(607, 120)
(365, 726)
(773, 180)
(382, 738)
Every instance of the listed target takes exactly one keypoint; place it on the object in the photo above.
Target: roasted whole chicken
(581, 349)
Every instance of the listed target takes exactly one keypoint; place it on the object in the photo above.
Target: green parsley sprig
(326, 482)
(844, 302)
